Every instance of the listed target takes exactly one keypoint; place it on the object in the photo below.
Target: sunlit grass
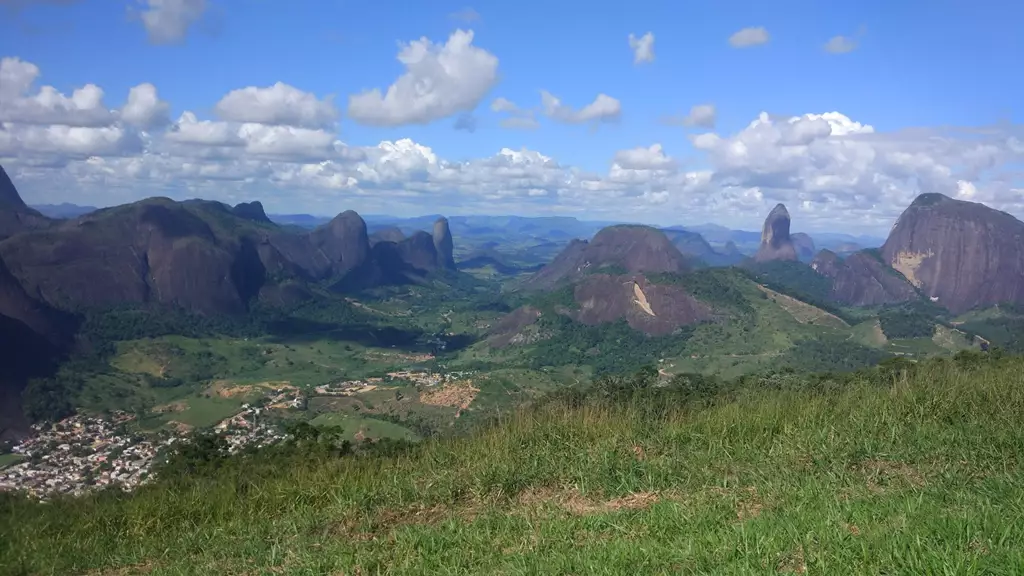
(920, 475)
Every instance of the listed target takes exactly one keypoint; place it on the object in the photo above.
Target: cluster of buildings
(249, 428)
(82, 453)
(422, 379)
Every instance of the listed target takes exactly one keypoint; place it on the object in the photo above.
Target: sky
(659, 112)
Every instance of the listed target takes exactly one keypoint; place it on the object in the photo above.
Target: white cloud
(168, 21)
(701, 115)
(604, 108)
(504, 105)
(47, 106)
(840, 45)
(439, 81)
(516, 118)
(831, 171)
(651, 158)
(144, 108)
(279, 104)
(642, 47)
(748, 37)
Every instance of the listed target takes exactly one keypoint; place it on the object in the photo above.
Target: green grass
(370, 427)
(919, 474)
(10, 459)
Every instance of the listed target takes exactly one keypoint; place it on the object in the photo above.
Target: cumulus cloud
(439, 81)
(168, 21)
(47, 106)
(144, 108)
(651, 158)
(828, 168)
(747, 37)
(604, 108)
(279, 104)
(642, 47)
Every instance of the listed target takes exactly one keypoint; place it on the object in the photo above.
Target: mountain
(615, 249)
(776, 243)
(387, 234)
(693, 245)
(251, 211)
(963, 255)
(862, 279)
(156, 250)
(804, 245)
(443, 244)
(15, 215)
(32, 336)
(301, 220)
(63, 210)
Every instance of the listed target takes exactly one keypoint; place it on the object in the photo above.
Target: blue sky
(915, 65)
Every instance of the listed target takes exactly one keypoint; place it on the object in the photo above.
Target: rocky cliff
(862, 279)
(963, 255)
(615, 249)
(15, 215)
(804, 246)
(776, 243)
(251, 211)
(444, 245)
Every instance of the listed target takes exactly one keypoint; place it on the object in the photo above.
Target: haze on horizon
(844, 115)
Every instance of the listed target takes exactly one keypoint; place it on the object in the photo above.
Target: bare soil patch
(457, 395)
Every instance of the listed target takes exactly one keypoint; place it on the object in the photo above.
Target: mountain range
(211, 259)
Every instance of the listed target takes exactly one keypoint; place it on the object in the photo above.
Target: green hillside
(905, 469)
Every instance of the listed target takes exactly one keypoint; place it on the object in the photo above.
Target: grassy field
(10, 459)
(914, 473)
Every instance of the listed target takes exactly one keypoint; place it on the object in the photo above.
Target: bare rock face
(343, 242)
(804, 245)
(444, 245)
(15, 215)
(419, 252)
(251, 211)
(776, 243)
(654, 309)
(615, 249)
(861, 279)
(963, 255)
(389, 234)
(156, 250)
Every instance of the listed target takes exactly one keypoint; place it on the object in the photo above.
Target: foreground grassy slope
(912, 471)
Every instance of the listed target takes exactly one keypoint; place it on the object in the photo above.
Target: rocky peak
(443, 244)
(628, 248)
(251, 211)
(9, 197)
(776, 243)
(962, 254)
(343, 241)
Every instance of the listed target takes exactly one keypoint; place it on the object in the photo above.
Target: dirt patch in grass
(228, 389)
(882, 474)
(792, 563)
(577, 504)
(179, 427)
(457, 395)
(176, 406)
